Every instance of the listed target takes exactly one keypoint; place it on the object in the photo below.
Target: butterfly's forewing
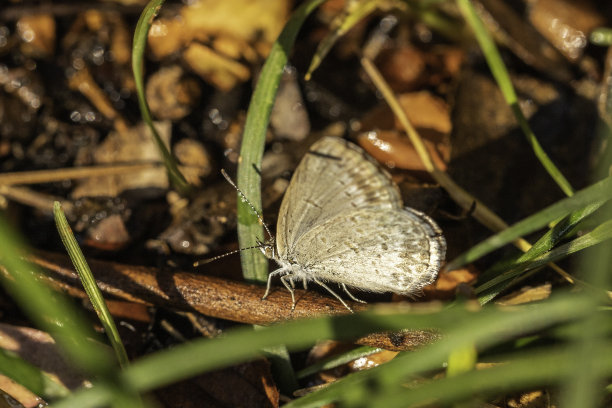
(397, 251)
(335, 177)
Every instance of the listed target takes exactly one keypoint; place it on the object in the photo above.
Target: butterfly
(342, 221)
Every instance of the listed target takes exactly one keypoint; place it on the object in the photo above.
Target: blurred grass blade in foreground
(89, 284)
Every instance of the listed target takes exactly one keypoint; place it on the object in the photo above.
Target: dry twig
(211, 296)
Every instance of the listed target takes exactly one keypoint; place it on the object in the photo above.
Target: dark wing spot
(312, 203)
(397, 339)
(326, 156)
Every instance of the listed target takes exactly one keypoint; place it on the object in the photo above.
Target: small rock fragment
(289, 118)
(37, 32)
(170, 94)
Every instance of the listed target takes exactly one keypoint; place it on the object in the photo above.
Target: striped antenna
(259, 217)
(246, 200)
(214, 258)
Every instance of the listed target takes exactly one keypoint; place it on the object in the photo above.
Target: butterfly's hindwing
(395, 251)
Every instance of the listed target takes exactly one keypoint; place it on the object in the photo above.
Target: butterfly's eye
(268, 248)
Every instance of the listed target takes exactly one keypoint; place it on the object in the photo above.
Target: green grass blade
(588, 363)
(48, 309)
(546, 242)
(500, 73)
(461, 360)
(138, 48)
(89, 283)
(482, 330)
(244, 344)
(493, 287)
(30, 376)
(338, 360)
(438, 21)
(599, 191)
(97, 396)
(461, 326)
(560, 231)
(542, 367)
(583, 388)
(282, 369)
(342, 24)
(503, 274)
(254, 264)
(600, 234)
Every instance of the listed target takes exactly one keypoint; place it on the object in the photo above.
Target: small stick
(74, 173)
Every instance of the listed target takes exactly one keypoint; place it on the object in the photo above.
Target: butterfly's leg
(270, 276)
(351, 295)
(289, 288)
(333, 293)
(305, 283)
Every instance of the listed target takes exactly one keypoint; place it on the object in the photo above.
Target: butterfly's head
(268, 248)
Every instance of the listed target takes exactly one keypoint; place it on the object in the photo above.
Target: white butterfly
(342, 220)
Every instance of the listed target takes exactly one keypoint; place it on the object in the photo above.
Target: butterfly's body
(342, 221)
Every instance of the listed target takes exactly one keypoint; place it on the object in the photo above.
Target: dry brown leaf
(39, 349)
(526, 295)
(394, 150)
(445, 287)
(329, 348)
(381, 136)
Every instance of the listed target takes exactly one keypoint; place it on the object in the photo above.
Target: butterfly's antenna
(259, 245)
(259, 217)
(214, 258)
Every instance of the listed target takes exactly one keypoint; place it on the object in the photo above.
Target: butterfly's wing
(397, 251)
(334, 177)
